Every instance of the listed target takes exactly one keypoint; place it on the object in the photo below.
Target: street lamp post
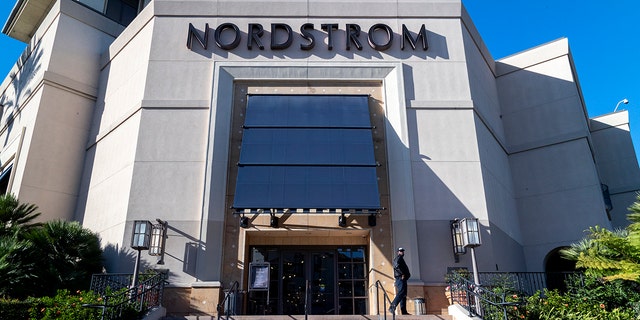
(471, 239)
(140, 239)
(625, 101)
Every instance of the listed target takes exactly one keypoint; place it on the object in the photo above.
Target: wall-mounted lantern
(468, 236)
(470, 232)
(141, 235)
(456, 236)
(146, 235)
(158, 240)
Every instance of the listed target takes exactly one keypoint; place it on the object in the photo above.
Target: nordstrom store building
(311, 137)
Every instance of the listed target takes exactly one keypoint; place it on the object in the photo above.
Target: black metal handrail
(525, 283)
(226, 301)
(386, 298)
(479, 300)
(117, 296)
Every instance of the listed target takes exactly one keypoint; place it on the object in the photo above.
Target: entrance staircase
(316, 317)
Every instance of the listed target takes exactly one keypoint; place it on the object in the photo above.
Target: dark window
(4, 179)
(307, 151)
(122, 11)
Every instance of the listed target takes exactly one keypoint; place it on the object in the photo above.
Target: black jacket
(400, 267)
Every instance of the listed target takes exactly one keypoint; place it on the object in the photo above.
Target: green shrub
(65, 306)
(14, 309)
(555, 305)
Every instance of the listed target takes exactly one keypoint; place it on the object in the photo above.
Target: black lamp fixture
(244, 222)
(372, 220)
(147, 236)
(342, 220)
(466, 234)
(456, 235)
(274, 221)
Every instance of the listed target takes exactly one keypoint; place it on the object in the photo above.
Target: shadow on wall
(28, 67)
(122, 260)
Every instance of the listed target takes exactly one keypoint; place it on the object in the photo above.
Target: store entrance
(325, 280)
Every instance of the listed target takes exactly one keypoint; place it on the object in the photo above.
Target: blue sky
(604, 40)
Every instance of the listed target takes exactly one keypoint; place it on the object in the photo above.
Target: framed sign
(259, 276)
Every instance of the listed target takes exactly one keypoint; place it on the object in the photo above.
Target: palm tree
(67, 254)
(15, 216)
(13, 271)
(610, 254)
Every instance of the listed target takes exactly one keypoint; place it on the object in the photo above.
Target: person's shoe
(406, 314)
(392, 309)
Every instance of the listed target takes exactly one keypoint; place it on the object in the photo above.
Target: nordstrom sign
(380, 37)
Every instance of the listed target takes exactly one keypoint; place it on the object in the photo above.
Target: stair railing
(228, 305)
(384, 301)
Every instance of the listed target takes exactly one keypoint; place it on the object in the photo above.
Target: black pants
(401, 295)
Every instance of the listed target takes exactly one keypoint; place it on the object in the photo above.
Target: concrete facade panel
(77, 50)
(545, 218)
(448, 190)
(555, 168)
(443, 135)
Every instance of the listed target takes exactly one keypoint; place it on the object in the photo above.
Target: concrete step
(316, 317)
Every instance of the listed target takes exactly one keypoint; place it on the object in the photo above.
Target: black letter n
(193, 33)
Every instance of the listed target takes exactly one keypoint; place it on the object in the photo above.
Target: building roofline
(25, 17)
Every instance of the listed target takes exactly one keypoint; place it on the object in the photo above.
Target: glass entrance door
(308, 278)
(315, 278)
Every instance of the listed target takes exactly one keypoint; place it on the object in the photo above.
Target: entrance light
(139, 241)
(146, 235)
(456, 235)
(141, 235)
(158, 240)
(470, 232)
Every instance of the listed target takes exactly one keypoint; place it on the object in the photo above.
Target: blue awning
(307, 151)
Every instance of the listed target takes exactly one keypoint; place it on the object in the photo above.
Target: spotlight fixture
(342, 221)
(372, 220)
(244, 222)
(274, 222)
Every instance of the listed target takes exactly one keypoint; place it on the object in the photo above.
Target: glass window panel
(359, 255)
(359, 289)
(345, 289)
(360, 306)
(346, 306)
(359, 271)
(344, 255)
(344, 271)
